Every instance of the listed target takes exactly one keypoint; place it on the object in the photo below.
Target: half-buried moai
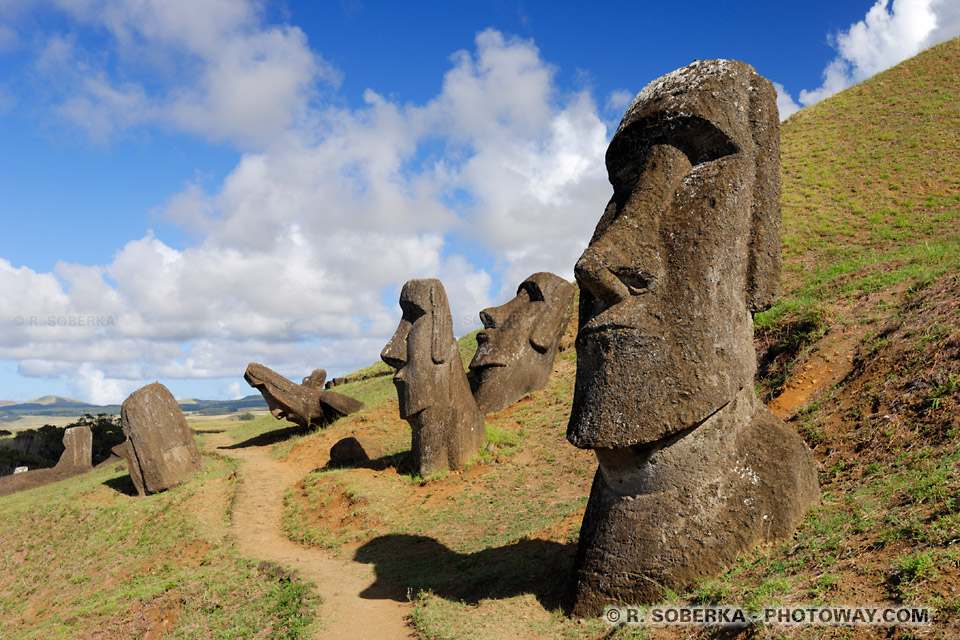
(693, 469)
(307, 404)
(516, 349)
(432, 387)
(78, 449)
(160, 449)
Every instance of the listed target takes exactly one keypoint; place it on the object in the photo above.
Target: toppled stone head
(693, 469)
(432, 388)
(516, 349)
(687, 248)
(303, 404)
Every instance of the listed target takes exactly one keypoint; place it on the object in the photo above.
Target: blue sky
(188, 186)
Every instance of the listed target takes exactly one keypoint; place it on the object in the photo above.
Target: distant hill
(55, 401)
(4, 403)
(59, 406)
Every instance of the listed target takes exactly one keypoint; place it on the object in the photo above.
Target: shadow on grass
(122, 484)
(408, 564)
(270, 437)
(401, 462)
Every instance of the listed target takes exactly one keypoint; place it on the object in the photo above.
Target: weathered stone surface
(693, 469)
(160, 449)
(518, 345)
(78, 448)
(315, 379)
(305, 405)
(431, 384)
(76, 459)
(354, 449)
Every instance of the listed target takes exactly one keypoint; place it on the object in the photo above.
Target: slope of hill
(861, 355)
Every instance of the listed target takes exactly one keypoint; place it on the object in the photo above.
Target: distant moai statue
(307, 404)
(432, 387)
(517, 347)
(693, 468)
(77, 449)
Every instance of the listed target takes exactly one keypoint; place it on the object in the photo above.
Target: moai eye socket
(637, 281)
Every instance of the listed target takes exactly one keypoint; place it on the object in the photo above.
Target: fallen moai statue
(77, 458)
(160, 450)
(693, 469)
(519, 342)
(303, 404)
(432, 387)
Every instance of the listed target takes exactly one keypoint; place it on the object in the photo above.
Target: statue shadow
(122, 484)
(270, 437)
(407, 564)
(401, 462)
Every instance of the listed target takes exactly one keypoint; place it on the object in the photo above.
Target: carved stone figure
(432, 386)
(160, 449)
(693, 469)
(516, 349)
(303, 404)
(315, 379)
(78, 449)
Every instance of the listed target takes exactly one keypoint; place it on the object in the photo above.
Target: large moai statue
(432, 387)
(693, 468)
(160, 449)
(306, 405)
(516, 349)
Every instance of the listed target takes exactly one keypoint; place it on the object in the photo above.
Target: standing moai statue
(693, 469)
(516, 349)
(432, 387)
(160, 449)
(78, 449)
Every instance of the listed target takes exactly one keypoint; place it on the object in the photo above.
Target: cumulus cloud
(888, 34)
(785, 103)
(303, 247)
(222, 73)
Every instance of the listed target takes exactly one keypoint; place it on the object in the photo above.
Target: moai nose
(593, 272)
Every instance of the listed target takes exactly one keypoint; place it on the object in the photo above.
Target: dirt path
(256, 527)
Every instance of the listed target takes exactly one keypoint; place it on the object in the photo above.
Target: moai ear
(765, 256)
(547, 331)
(442, 329)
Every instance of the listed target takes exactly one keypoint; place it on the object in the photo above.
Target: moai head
(687, 248)
(423, 346)
(516, 349)
(432, 388)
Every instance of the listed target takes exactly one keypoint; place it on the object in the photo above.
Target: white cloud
(785, 103)
(303, 247)
(887, 35)
(216, 70)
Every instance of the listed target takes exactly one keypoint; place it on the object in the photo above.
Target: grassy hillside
(861, 355)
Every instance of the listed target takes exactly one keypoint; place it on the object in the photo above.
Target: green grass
(81, 555)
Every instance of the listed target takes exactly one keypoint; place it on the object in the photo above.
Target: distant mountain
(4, 403)
(59, 406)
(55, 401)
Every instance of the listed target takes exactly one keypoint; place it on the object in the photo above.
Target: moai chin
(516, 349)
(693, 469)
(432, 387)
